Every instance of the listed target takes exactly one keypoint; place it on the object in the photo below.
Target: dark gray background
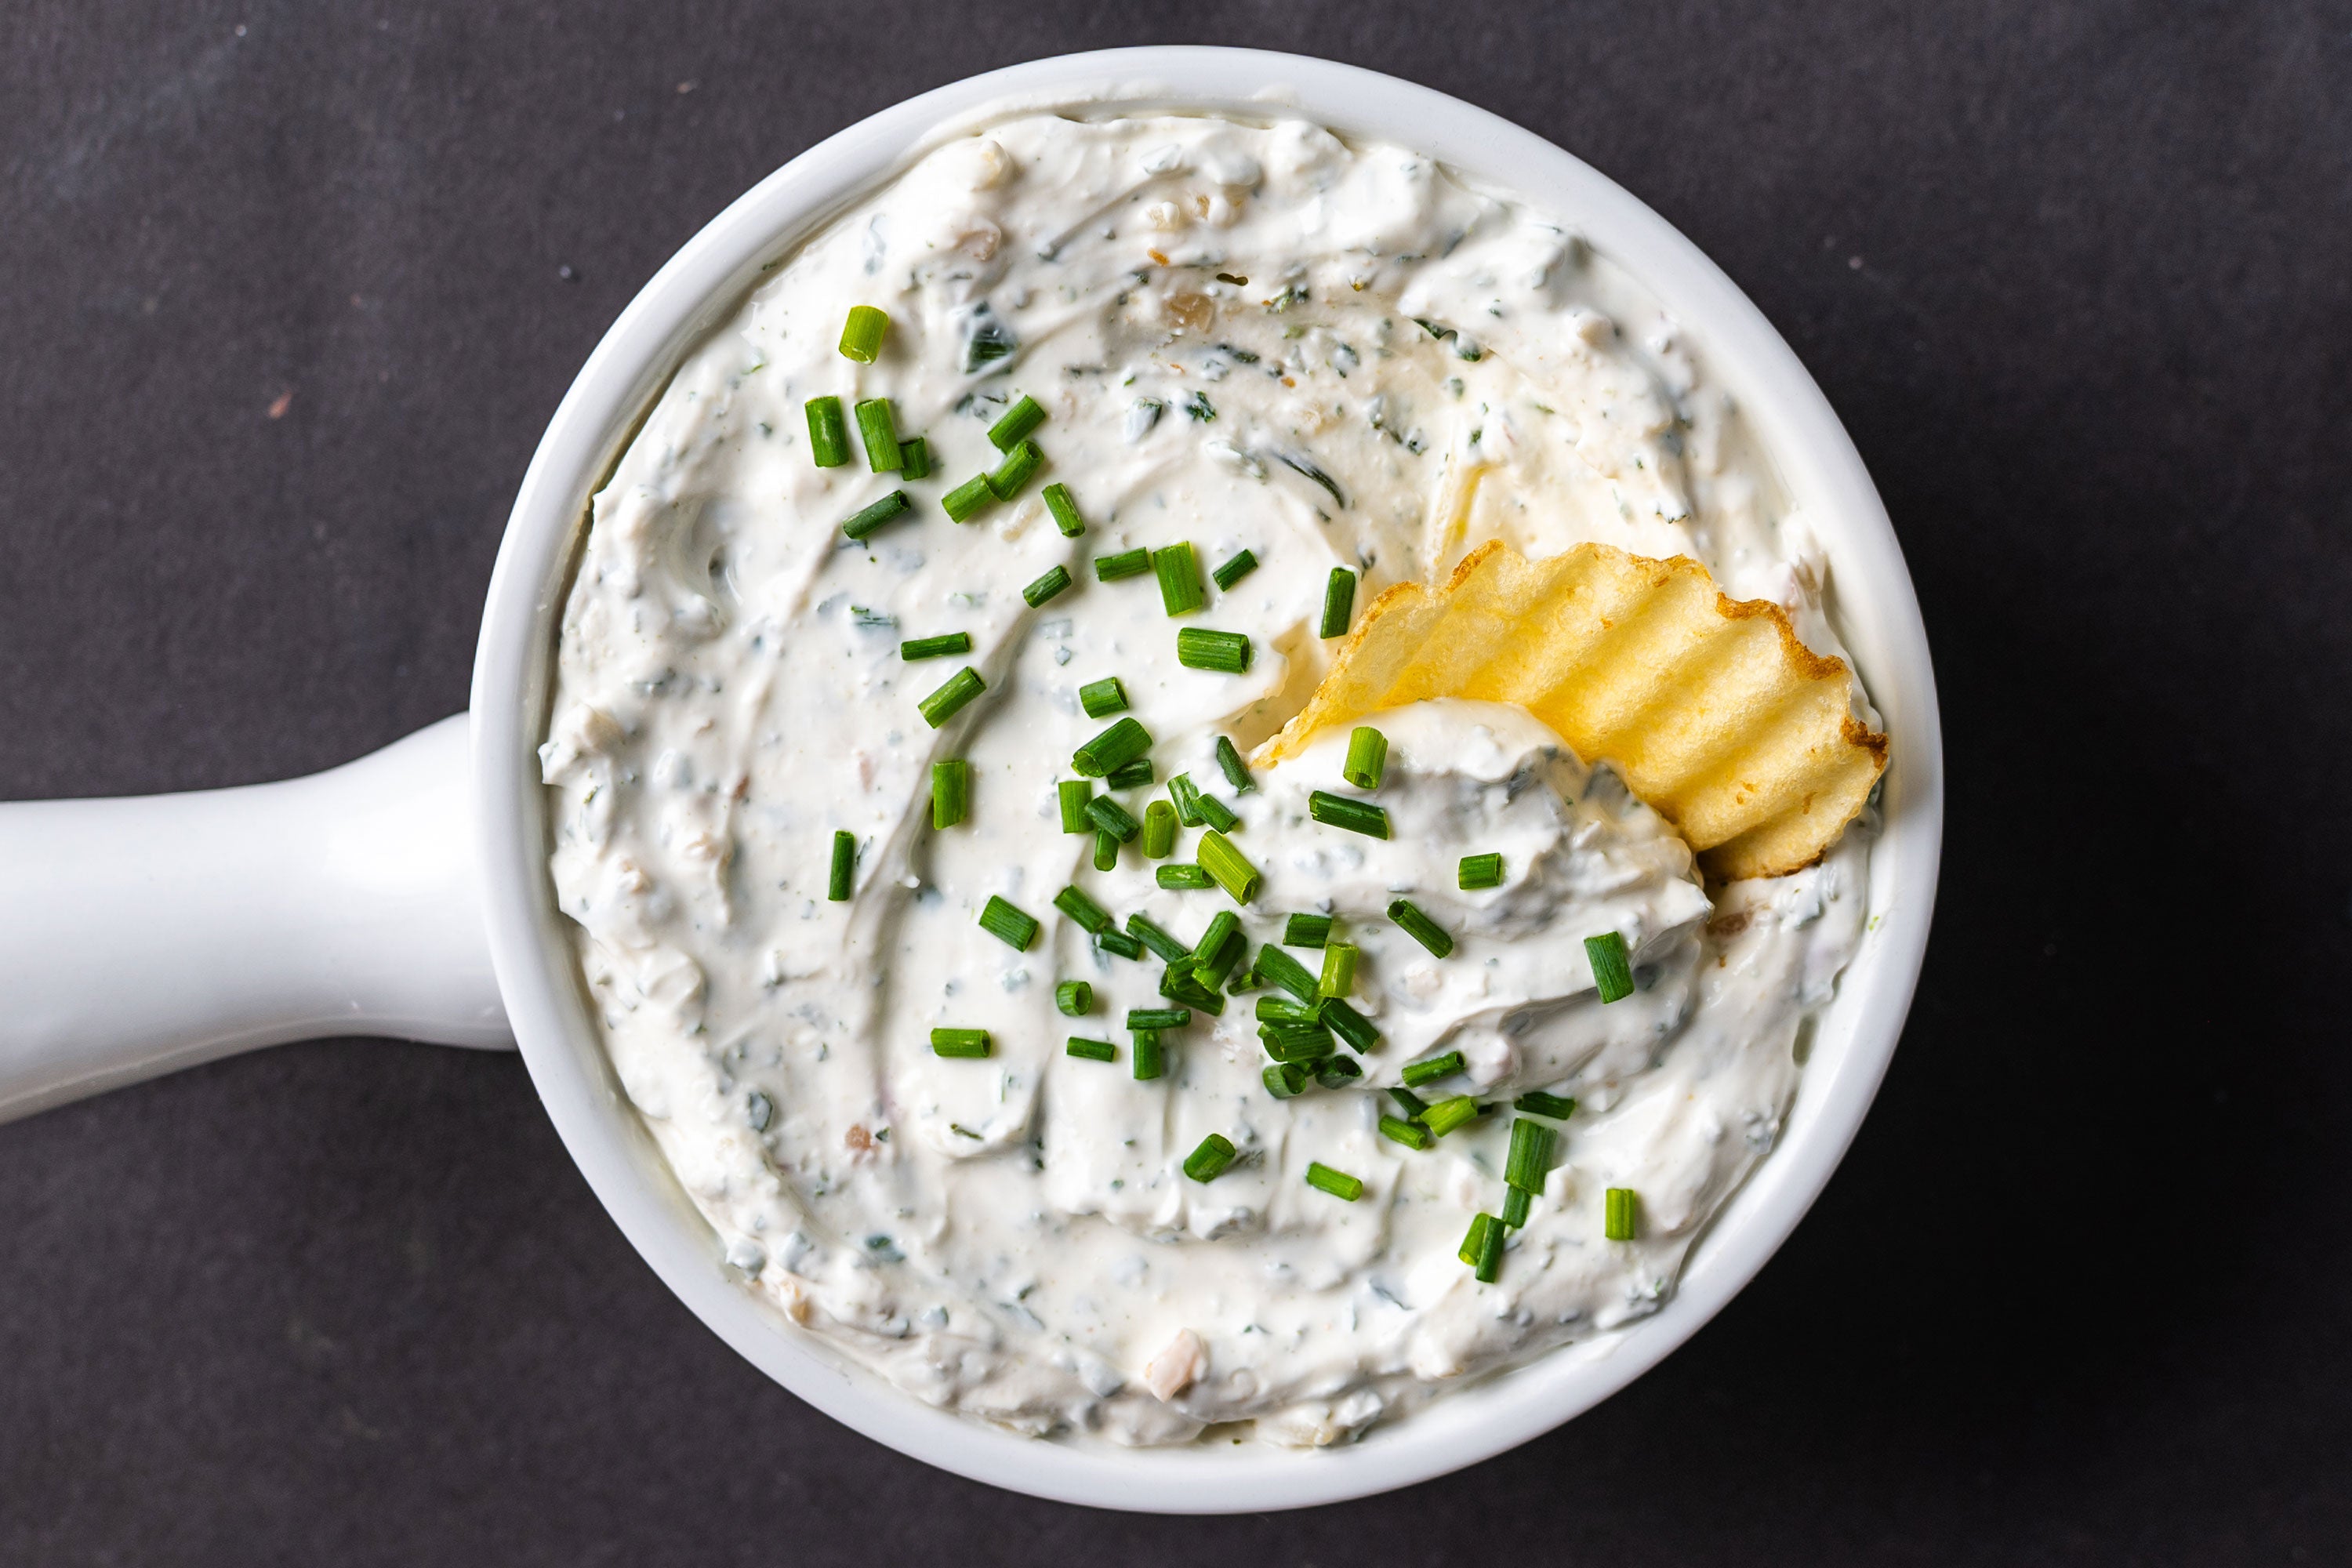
(283, 313)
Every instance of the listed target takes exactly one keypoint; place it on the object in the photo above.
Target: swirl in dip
(1244, 337)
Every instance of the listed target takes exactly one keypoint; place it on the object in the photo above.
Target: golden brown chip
(1710, 709)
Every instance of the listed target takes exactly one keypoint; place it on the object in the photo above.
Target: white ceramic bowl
(1879, 617)
(142, 935)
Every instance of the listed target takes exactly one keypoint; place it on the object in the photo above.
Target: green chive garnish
(1294, 1042)
(1046, 587)
(1613, 975)
(862, 334)
(1338, 601)
(877, 426)
(1227, 653)
(943, 704)
(1019, 465)
(960, 1042)
(1619, 1214)
(914, 458)
(1429, 1069)
(1090, 916)
(1236, 772)
(1483, 1249)
(1244, 979)
(950, 792)
(1103, 697)
(1536, 1102)
(1229, 953)
(1516, 1207)
(1112, 939)
(1137, 774)
(1448, 1114)
(1149, 1061)
(1188, 800)
(1072, 794)
(1412, 1103)
(1277, 1010)
(1183, 877)
(1178, 983)
(1529, 1161)
(1222, 926)
(1179, 581)
(1420, 927)
(1091, 1050)
(1158, 1017)
(1008, 924)
(1208, 1161)
(1065, 511)
(1169, 949)
(1307, 931)
(1016, 422)
(1338, 970)
(1355, 816)
(1126, 563)
(1339, 1184)
(1110, 816)
(1160, 834)
(869, 519)
(844, 866)
(1120, 744)
(1368, 758)
(1209, 809)
(964, 502)
(1348, 1023)
(828, 432)
(939, 647)
(1075, 998)
(1278, 968)
(1229, 865)
(1480, 871)
(1106, 849)
(1233, 571)
(1284, 1080)
(1412, 1134)
(1338, 1071)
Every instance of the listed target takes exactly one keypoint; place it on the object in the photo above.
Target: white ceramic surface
(357, 902)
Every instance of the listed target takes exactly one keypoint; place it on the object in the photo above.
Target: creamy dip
(1246, 337)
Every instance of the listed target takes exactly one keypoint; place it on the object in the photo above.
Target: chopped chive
(960, 1042)
(1009, 925)
(1229, 865)
(1181, 790)
(1090, 916)
(1215, 812)
(1420, 927)
(844, 866)
(1227, 653)
(1294, 1042)
(1338, 1071)
(942, 705)
(1016, 422)
(1222, 926)
(1160, 834)
(1276, 1010)
(1529, 1160)
(1121, 744)
(862, 333)
(861, 523)
(1137, 774)
(1103, 697)
(1144, 928)
(1619, 1214)
(1368, 758)
(1072, 796)
(1537, 1102)
(1046, 587)
(939, 647)
(1110, 816)
(1075, 998)
(1243, 980)
(1158, 1017)
(1105, 850)
(1612, 975)
(950, 792)
(1338, 975)
(1240, 566)
(828, 432)
(1474, 1242)
(1208, 1161)
(1229, 758)
(1112, 939)
(1020, 464)
(1183, 877)
(1277, 967)
(914, 458)
(1355, 816)
(1286, 1081)
(1178, 570)
(1065, 509)
(1090, 1050)
(1338, 601)
(1150, 1059)
(1412, 1103)
(1516, 1207)
(1307, 931)
(964, 502)
(1339, 1184)
(1126, 563)
(1483, 1250)
(1448, 1114)
(1412, 1134)
(1480, 871)
(1429, 1069)
(877, 426)
(1212, 974)
(1349, 1025)
(1178, 983)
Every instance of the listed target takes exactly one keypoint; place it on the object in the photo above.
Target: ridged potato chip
(1709, 708)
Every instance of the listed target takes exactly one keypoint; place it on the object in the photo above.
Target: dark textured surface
(283, 315)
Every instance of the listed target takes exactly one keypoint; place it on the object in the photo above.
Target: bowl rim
(1853, 1044)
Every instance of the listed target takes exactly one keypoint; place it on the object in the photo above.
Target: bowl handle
(141, 935)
